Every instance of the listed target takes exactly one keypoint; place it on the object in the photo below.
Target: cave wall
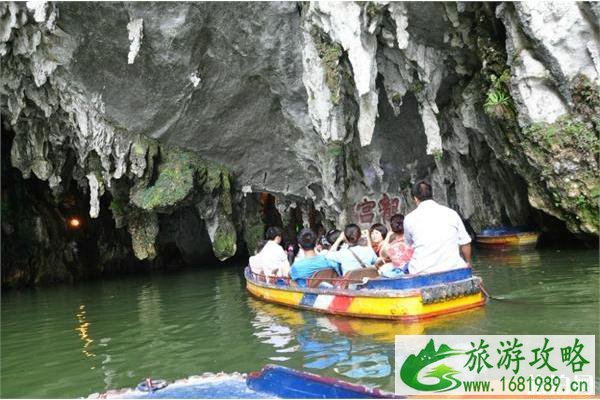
(177, 115)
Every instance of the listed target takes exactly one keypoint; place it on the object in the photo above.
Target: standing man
(436, 233)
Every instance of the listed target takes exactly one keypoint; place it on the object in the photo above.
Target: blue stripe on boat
(291, 384)
(419, 281)
(308, 299)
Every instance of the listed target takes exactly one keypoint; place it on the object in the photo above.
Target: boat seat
(359, 274)
(325, 275)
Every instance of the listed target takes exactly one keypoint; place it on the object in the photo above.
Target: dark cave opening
(48, 238)
(291, 223)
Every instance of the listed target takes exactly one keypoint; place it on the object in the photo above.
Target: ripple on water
(176, 325)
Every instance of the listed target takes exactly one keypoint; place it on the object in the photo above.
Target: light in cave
(74, 222)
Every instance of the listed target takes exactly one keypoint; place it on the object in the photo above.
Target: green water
(71, 341)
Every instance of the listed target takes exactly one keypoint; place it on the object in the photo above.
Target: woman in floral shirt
(395, 253)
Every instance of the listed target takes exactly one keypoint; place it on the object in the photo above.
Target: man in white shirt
(436, 233)
(272, 259)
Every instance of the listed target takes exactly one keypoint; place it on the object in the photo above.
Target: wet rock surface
(166, 112)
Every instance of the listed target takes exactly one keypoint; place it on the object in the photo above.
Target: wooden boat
(407, 298)
(272, 381)
(507, 237)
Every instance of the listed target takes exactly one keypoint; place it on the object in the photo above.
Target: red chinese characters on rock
(388, 207)
(364, 211)
(368, 211)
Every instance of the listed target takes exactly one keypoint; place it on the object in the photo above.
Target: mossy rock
(143, 228)
(437, 154)
(329, 52)
(567, 132)
(174, 183)
(373, 10)
(224, 242)
(252, 235)
(218, 182)
(178, 176)
(334, 150)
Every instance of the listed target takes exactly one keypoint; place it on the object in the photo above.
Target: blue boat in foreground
(272, 381)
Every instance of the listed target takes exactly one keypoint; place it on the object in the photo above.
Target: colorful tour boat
(412, 297)
(494, 237)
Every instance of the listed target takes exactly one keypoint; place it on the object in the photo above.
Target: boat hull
(288, 383)
(407, 305)
(272, 381)
(517, 239)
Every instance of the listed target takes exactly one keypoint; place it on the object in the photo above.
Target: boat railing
(414, 281)
(337, 283)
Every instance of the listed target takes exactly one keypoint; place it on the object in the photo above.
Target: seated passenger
(254, 261)
(396, 254)
(311, 262)
(327, 240)
(437, 234)
(353, 257)
(272, 259)
(377, 234)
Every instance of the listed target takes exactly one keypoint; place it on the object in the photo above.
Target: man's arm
(338, 241)
(464, 240)
(465, 250)
(386, 241)
(408, 239)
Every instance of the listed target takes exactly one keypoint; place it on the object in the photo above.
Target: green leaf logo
(409, 373)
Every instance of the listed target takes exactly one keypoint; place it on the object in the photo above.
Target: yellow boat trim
(403, 308)
(521, 239)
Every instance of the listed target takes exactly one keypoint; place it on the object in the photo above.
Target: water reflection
(352, 347)
(509, 256)
(83, 331)
(149, 307)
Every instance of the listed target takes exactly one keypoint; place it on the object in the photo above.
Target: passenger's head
(377, 232)
(352, 234)
(330, 238)
(307, 239)
(397, 224)
(259, 246)
(274, 233)
(421, 191)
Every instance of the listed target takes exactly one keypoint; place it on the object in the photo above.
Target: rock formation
(180, 117)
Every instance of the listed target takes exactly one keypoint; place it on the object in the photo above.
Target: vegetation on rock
(499, 103)
(438, 154)
(224, 243)
(566, 152)
(330, 53)
(183, 177)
